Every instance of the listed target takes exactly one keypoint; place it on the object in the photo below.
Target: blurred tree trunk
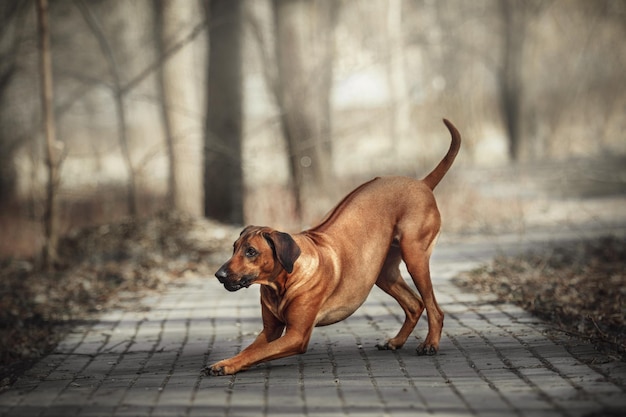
(517, 15)
(399, 119)
(120, 114)
(118, 92)
(50, 255)
(12, 18)
(223, 175)
(303, 91)
(176, 90)
(513, 20)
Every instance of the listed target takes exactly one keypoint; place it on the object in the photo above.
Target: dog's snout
(232, 281)
(222, 274)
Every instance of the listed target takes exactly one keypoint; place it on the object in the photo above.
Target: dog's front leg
(269, 344)
(260, 351)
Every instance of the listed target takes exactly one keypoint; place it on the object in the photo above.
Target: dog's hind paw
(387, 346)
(426, 350)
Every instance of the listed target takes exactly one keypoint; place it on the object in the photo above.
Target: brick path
(495, 360)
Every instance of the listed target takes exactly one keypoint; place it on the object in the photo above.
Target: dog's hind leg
(416, 258)
(390, 280)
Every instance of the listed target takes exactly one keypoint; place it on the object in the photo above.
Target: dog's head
(259, 255)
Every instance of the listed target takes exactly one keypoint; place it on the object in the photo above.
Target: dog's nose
(221, 274)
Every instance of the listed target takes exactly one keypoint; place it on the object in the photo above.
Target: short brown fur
(322, 275)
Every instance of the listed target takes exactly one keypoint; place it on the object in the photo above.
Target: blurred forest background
(267, 111)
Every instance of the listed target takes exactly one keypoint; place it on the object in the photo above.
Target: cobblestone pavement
(495, 360)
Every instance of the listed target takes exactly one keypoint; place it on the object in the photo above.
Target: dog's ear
(285, 248)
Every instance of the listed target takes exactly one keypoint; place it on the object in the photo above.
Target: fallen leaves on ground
(100, 264)
(580, 287)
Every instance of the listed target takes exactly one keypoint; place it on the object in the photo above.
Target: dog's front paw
(213, 371)
(218, 369)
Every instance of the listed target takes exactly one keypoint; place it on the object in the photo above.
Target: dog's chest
(274, 303)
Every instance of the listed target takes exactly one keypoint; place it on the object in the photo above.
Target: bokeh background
(267, 112)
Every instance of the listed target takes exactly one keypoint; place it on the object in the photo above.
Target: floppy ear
(285, 248)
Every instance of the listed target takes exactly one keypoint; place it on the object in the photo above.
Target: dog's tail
(440, 170)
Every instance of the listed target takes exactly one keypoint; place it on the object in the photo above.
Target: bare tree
(399, 120)
(161, 11)
(516, 17)
(50, 254)
(304, 53)
(223, 176)
(510, 75)
(176, 93)
(12, 15)
(118, 91)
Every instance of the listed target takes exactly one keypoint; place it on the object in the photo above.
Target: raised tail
(444, 165)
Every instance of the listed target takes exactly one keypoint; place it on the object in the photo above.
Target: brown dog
(322, 275)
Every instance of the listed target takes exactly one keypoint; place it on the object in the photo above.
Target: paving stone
(494, 360)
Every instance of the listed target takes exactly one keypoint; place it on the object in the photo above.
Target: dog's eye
(251, 252)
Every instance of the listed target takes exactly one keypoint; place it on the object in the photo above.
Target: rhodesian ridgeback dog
(322, 275)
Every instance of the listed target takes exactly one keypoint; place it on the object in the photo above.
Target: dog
(322, 275)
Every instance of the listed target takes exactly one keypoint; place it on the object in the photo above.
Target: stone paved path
(495, 360)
